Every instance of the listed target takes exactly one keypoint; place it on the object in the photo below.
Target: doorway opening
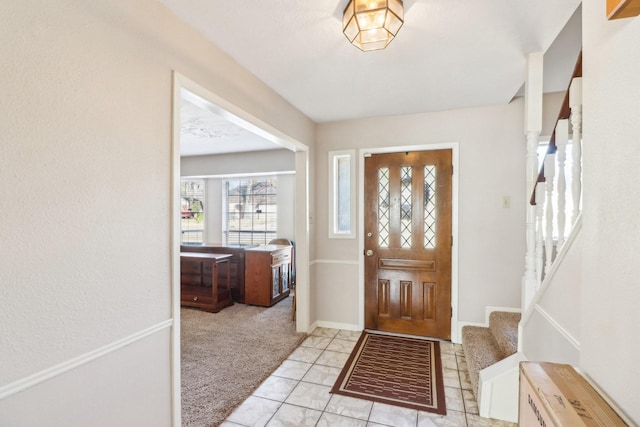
(240, 119)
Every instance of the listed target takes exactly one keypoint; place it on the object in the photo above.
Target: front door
(408, 243)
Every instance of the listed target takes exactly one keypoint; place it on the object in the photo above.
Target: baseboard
(334, 325)
(46, 374)
(333, 261)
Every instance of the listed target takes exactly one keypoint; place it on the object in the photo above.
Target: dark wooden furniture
(205, 281)
(236, 264)
(268, 274)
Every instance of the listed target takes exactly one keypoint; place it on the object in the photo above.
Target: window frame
(226, 210)
(333, 190)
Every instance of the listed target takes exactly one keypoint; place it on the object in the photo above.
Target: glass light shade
(372, 24)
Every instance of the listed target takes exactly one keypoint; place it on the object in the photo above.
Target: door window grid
(250, 210)
(383, 207)
(405, 206)
(429, 207)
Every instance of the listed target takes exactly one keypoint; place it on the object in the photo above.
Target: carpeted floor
(226, 355)
(399, 371)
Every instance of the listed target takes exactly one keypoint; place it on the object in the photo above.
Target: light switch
(506, 202)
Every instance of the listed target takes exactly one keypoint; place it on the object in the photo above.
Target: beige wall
(492, 152)
(610, 293)
(85, 157)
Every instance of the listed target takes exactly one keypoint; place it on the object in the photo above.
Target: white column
(533, 126)
(575, 102)
(562, 138)
(549, 172)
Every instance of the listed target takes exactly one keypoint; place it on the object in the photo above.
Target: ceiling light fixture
(372, 24)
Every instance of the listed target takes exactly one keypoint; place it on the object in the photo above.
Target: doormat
(394, 370)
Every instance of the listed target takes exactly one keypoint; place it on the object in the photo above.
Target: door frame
(248, 121)
(366, 152)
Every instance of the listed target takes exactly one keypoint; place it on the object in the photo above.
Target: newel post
(533, 127)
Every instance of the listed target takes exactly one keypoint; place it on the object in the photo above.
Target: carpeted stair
(485, 346)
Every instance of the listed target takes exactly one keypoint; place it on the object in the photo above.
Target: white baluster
(575, 102)
(539, 232)
(549, 172)
(562, 138)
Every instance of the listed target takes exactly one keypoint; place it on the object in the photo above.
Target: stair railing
(549, 196)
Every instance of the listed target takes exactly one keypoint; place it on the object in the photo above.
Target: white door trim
(246, 120)
(365, 152)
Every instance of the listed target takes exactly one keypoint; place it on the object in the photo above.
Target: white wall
(238, 163)
(85, 155)
(552, 334)
(610, 267)
(492, 160)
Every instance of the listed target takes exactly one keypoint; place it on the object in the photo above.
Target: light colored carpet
(226, 355)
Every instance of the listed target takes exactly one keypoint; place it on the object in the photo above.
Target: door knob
(369, 252)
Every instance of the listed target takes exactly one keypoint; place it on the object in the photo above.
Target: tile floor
(297, 393)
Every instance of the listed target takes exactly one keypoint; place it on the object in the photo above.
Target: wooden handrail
(565, 112)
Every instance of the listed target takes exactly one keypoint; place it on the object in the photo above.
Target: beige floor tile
(305, 354)
(449, 361)
(453, 399)
(462, 363)
(449, 347)
(452, 419)
(349, 407)
(316, 342)
(393, 415)
(342, 346)
(465, 382)
(255, 411)
(451, 378)
(470, 405)
(349, 335)
(292, 369)
(324, 375)
(308, 395)
(325, 332)
(332, 358)
(294, 416)
(478, 421)
(332, 420)
(276, 388)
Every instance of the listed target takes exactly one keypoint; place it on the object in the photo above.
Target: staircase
(484, 347)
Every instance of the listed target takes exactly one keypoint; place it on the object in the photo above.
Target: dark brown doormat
(394, 370)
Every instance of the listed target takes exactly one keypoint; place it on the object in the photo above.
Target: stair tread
(504, 328)
(481, 350)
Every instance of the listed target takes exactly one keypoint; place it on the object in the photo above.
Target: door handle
(369, 252)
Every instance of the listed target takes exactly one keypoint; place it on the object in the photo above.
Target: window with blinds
(250, 210)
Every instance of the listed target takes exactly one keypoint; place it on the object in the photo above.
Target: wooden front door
(408, 243)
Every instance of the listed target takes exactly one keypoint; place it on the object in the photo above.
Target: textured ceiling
(449, 54)
(203, 132)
